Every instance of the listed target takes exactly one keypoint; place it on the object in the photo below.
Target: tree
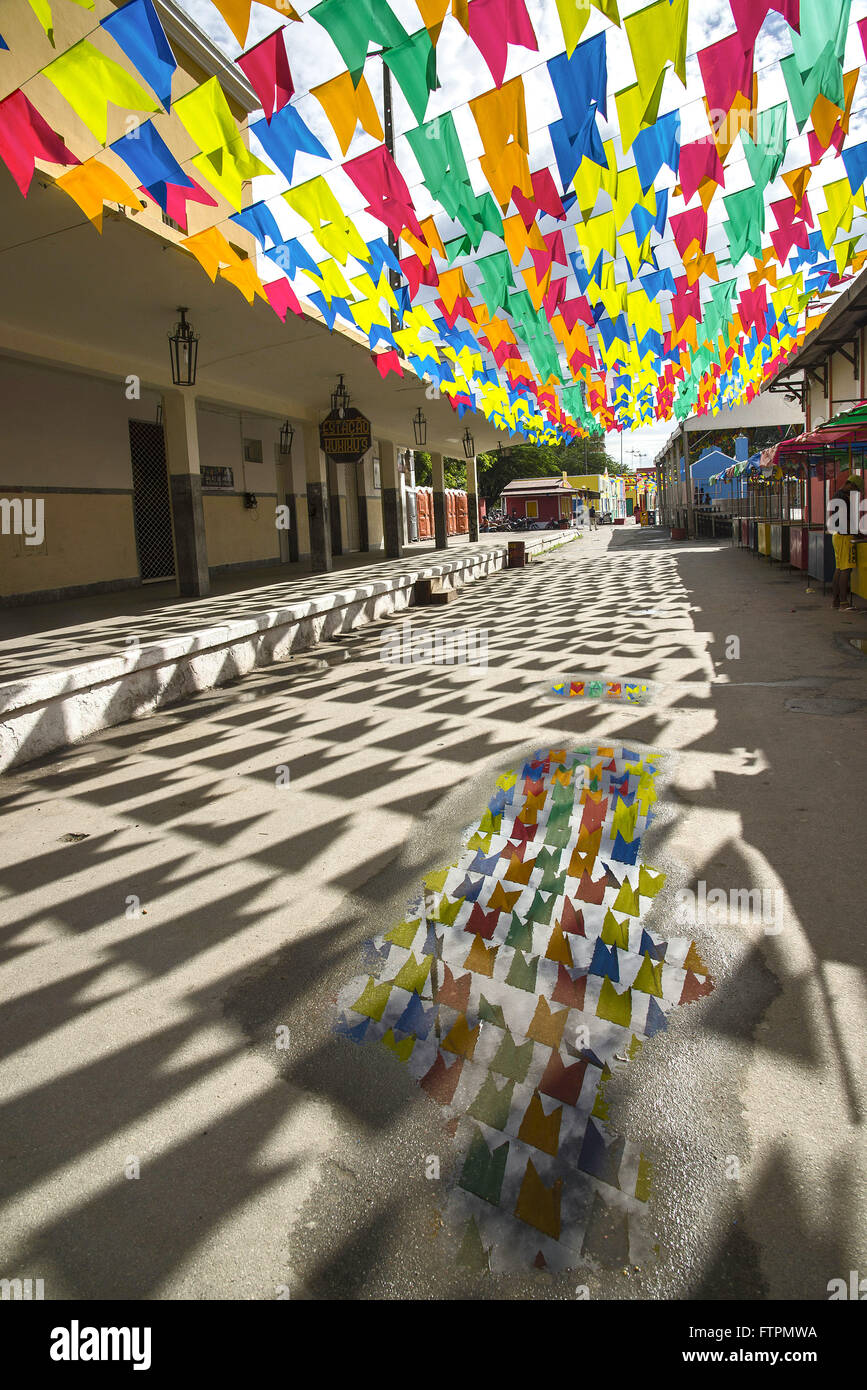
(455, 470)
(496, 469)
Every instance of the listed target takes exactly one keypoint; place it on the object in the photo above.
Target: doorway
(151, 504)
(334, 509)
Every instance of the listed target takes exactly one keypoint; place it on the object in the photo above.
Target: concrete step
(433, 591)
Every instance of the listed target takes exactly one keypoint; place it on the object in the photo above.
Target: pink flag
(554, 242)
(25, 137)
(750, 15)
(387, 362)
(378, 179)
(555, 296)
(267, 67)
(418, 274)
(793, 234)
(699, 161)
(575, 309)
(689, 227)
(726, 68)
(752, 307)
(686, 302)
(494, 24)
(281, 297)
(545, 199)
(177, 197)
(817, 149)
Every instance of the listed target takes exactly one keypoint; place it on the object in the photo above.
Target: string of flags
(609, 274)
(519, 976)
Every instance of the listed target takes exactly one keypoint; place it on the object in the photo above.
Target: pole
(388, 130)
(687, 466)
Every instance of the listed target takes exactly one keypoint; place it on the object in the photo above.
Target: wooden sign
(345, 438)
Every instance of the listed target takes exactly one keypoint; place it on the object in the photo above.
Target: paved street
(187, 900)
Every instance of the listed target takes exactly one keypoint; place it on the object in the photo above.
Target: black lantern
(287, 434)
(184, 348)
(469, 444)
(340, 398)
(419, 426)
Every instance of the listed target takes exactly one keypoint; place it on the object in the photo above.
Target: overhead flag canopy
(581, 221)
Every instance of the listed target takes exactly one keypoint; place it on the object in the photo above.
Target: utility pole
(388, 131)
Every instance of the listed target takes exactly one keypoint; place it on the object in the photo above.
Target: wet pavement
(189, 901)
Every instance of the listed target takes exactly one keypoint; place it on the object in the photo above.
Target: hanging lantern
(287, 434)
(419, 427)
(469, 444)
(340, 398)
(184, 348)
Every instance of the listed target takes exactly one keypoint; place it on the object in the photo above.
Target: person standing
(843, 535)
(592, 517)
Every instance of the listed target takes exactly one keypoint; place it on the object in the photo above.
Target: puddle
(825, 705)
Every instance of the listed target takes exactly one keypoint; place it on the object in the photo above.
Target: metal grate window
(152, 513)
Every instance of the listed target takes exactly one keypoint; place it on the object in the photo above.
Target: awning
(849, 427)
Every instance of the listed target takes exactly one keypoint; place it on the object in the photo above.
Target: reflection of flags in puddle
(518, 975)
(630, 692)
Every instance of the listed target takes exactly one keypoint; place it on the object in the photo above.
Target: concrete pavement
(179, 917)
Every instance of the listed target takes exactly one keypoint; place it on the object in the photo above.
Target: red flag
(267, 67)
(387, 362)
(25, 136)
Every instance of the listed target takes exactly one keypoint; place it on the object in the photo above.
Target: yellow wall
(859, 574)
(375, 527)
(236, 535)
(89, 539)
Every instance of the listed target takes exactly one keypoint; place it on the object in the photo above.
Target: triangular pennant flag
(93, 184)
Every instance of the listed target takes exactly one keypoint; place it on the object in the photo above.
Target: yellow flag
(205, 115)
(42, 10)
(89, 81)
(574, 15)
(228, 168)
(657, 35)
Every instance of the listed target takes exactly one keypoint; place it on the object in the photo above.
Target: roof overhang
(103, 304)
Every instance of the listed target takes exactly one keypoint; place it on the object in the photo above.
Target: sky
(463, 75)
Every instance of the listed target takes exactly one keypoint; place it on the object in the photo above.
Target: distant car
(605, 519)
